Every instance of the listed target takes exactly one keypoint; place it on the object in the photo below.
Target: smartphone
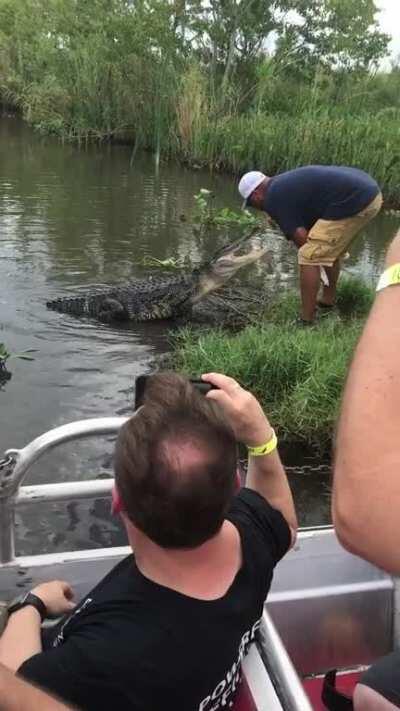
(140, 387)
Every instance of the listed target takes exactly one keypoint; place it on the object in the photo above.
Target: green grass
(297, 373)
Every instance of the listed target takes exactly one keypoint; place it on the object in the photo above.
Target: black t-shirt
(134, 645)
(301, 197)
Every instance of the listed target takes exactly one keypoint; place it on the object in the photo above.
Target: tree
(339, 34)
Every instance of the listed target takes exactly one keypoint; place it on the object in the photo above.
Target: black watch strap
(29, 599)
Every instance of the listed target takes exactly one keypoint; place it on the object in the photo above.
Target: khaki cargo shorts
(328, 240)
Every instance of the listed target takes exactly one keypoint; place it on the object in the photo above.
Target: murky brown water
(70, 217)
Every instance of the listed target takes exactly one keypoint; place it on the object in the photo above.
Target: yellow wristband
(390, 277)
(266, 448)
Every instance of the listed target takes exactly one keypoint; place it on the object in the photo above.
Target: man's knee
(366, 699)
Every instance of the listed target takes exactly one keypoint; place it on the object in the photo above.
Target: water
(72, 217)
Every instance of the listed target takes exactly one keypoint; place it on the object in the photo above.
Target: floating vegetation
(6, 355)
(169, 263)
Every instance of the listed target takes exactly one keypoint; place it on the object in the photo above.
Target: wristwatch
(28, 599)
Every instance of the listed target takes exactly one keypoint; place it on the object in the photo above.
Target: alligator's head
(226, 263)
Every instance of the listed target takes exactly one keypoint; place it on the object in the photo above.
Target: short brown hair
(175, 464)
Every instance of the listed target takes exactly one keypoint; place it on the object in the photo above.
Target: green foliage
(354, 297)
(191, 80)
(298, 374)
(5, 355)
(205, 214)
(169, 263)
(334, 33)
(330, 136)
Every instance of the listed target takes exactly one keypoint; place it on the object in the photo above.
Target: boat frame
(326, 608)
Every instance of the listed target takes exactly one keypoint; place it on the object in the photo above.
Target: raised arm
(266, 474)
(366, 488)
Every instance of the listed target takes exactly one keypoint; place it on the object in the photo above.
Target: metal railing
(17, 462)
(280, 668)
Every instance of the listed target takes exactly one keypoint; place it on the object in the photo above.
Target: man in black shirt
(168, 627)
(321, 208)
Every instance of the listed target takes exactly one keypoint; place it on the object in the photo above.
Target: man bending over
(168, 627)
(321, 209)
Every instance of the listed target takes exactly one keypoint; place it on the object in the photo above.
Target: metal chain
(308, 468)
(6, 461)
(6, 468)
(300, 468)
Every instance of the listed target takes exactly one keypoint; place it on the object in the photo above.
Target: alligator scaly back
(140, 300)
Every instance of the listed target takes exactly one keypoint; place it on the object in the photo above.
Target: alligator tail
(68, 306)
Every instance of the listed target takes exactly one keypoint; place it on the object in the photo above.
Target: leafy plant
(5, 355)
(169, 263)
(206, 215)
(204, 211)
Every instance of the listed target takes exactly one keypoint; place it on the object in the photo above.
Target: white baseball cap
(249, 182)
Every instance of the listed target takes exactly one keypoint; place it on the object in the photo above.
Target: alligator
(162, 297)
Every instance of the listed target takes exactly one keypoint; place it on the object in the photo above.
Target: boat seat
(345, 682)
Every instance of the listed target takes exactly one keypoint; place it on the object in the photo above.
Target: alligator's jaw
(224, 267)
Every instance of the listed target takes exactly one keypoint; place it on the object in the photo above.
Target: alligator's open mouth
(227, 262)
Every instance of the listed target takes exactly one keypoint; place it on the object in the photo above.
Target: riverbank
(235, 144)
(133, 73)
(297, 373)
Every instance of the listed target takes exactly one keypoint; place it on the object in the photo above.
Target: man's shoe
(302, 323)
(327, 307)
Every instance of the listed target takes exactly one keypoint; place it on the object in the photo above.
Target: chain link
(6, 461)
(309, 468)
(299, 468)
(6, 468)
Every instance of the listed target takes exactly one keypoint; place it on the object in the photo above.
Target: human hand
(57, 596)
(242, 409)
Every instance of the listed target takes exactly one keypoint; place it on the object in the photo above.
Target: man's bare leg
(309, 286)
(366, 699)
(329, 292)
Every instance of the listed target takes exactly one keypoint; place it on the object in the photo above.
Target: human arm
(17, 695)
(266, 474)
(366, 487)
(21, 638)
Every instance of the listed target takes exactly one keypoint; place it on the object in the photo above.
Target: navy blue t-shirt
(301, 197)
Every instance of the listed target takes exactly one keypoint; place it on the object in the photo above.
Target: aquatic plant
(168, 263)
(5, 355)
(298, 374)
(206, 214)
